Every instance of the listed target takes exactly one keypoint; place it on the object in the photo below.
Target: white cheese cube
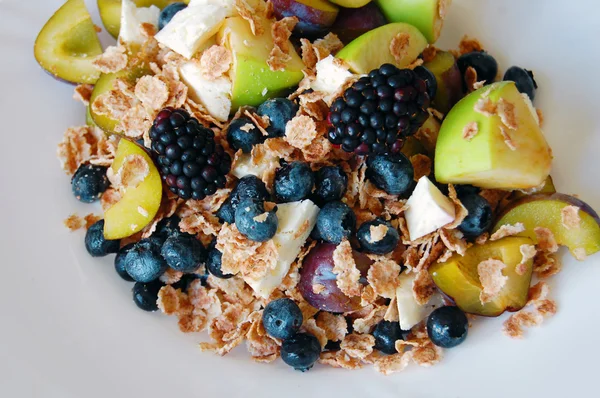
(245, 166)
(428, 209)
(215, 95)
(409, 311)
(132, 18)
(192, 26)
(296, 221)
(330, 76)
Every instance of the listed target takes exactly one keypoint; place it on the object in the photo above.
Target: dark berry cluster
(192, 164)
(379, 110)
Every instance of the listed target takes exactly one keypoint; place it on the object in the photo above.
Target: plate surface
(69, 328)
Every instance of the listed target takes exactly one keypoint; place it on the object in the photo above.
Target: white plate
(69, 328)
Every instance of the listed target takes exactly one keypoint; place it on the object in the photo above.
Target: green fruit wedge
(427, 15)
(372, 49)
(68, 44)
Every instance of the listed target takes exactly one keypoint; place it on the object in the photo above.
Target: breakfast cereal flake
(373, 317)
(423, 287)
(383, 276)
(506, 111)
(215, 61)
(491, 278)
(171, 276)
(112, 60)
(507, 230)
(528, 252)
(399, 46)
(347, 275)
(377, 233)
(422, 165)
(310, 326)
(485, 106)
(470, 131)
(152, 92)
(281, 32)
(358, 345)
(83, 93)
(580, 253)
(74, 222)
(335, 326)
(468, 44)
(300, 131)
(470, 78)
(389, 364)
(250, 14)
(570, 217)
(339, 359)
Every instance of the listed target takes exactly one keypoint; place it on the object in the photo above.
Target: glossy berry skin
(484, 64)
(168, 13)
(386, 334)
(95, 243)
(239, 138)
(248, 187)
(301, 351)
(144, 262)
(120, 262)
(279, 111)
(213, 263)
(89, 183)
(168, 227)
(524, 80)
(335, 221)
(183, 252)
(464, 190)
(480, 217)
(226, 213)
(145, 295)
(383, 246)
(250, 222)
(429, 78)
(294, 181)
(393, 173)
(331, 183)
(187, 279)
(282, 318)
(447, 327)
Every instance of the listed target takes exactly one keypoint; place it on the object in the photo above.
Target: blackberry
(191, 163)
(379, 111)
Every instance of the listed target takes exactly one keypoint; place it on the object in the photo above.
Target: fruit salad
(312, 179)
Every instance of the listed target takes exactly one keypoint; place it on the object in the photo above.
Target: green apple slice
(495, 156)
(253, 80)
(106, 83)
(110, 12)
(351, 3)
(545, 210)
(139, 204)
(427, 15)
(68, 44)
(449, 81)
(372, 49)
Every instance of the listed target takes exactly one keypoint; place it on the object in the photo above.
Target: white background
(68, 327)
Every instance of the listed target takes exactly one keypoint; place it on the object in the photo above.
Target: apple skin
(486, 160)
(120, 219)
(544, 210)
(317, 268)
(424, 14)
(316, 13)
(371, 50)
(548, 188)
(68, 44)
(458, 278)
(351, 3)
(110, 12)
(353, 22)
(449, 81)
(250, 73)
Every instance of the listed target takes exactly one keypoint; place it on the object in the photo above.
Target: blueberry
(382, 245)
(386, 334)
(425, 74)
(301, 351)
(335, 221)
(168, 13)
(331, 183)
(248, 187)
(213, 263)
(226, 213)
(479, 219)
(463, 190)
(96, 244)
(89, 183)
(254, 223)
(168, 227)
(144, 262)
(187, 279)
(393, 173)
(524, 80)
(282, 318)
(447, 327)
(183, 252)
(294, 181)
(243, 134)
(120, 262)
(484, 64)
(145, 295)
(279, 111)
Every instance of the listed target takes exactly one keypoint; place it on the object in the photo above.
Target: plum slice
(449, 80)
(68, 44)
(546, 211)
(317, 269)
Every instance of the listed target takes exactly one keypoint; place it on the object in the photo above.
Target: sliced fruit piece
(253, 80)
(458, 277)
(214, 94)
(412, 146)
(427, 15)
(132, 18)
(68, 44)
(139, 204)
(317, 13)
(545, 210)
(351, 3)
(449, 80)
(428, 209)
(105, 83)
(89, 120)
(547, 188)
(353, 22)
(428, 134)
(374, 48)
(110, 12)
(410, 312)
(477, 145)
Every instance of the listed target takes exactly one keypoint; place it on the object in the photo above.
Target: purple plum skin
(353, 22)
